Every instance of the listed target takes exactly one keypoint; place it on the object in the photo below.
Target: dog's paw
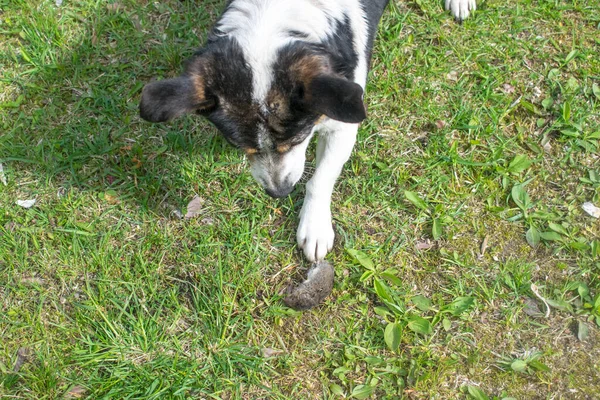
(461, 8)
(315, 233)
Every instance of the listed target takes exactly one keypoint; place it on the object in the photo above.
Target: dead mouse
(313, 290)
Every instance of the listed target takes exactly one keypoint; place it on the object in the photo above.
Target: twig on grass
(535, 291)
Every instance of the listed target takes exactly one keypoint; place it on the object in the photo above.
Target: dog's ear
(337, 98)
(170, 98)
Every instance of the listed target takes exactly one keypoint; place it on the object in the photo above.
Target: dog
(271, 75)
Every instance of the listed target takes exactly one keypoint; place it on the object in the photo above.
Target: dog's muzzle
(280, 192)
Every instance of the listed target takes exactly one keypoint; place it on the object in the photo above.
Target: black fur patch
(309, 80)
(338, 98)
(170, 98)
(229, 79)
(340, 48)
(374, 10)
(318, 77)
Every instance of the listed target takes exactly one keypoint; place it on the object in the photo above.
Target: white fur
(290, 166)
(315, 233)
(461, 8)
(261, 27)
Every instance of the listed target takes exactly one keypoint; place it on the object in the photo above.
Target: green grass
(105, 293)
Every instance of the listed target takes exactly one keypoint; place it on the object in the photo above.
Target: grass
(480, 132)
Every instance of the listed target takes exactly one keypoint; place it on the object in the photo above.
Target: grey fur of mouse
(317, 286)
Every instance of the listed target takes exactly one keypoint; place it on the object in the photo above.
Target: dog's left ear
(337, 98)
(171, 98)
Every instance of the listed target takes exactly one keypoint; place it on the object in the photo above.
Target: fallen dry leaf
(114, 7)
(508, 89)
(441, 124)
(32, 280)
(484, 317)
(22, 355)
(111, 197)
(194, 207)
(268, 352)
(2, 176)
(452, 75)
(76, 392)
(484, 246)
(546, 145)
(591, 209)
(177, 214)
(424, 245)
(26, 203)
(532, 308)
(135, 20)
(137, 162)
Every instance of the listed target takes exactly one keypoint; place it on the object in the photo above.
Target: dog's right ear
(170, 98)
(337, 98)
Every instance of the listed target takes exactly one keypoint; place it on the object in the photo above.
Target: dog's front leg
(315, 233)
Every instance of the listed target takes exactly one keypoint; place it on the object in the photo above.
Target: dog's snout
(278, 174)
(279, 193)
(282, 188)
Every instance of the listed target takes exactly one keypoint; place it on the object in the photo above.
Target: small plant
(528, 363)
(561, 233)
(593, 179)
(518, 164)
(406, 313)
(585, 305)
(435, 214)
(476, 393)
(523, 202)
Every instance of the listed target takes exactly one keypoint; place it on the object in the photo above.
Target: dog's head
(268, 112)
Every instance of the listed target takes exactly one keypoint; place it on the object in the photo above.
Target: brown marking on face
(309, 66)
(278, 110)
(284, 148)
(250, 151)
(199, 88)
(302, 71)
(203, 102)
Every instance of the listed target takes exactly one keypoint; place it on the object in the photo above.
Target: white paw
(315, 232)
(461, 8)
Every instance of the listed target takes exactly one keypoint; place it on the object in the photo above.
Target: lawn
(465, 264)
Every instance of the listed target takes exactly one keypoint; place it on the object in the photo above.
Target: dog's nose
(278, 193)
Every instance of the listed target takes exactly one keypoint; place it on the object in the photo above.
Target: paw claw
(315, 233)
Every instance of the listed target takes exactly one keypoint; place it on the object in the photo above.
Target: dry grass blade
(536, 291)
